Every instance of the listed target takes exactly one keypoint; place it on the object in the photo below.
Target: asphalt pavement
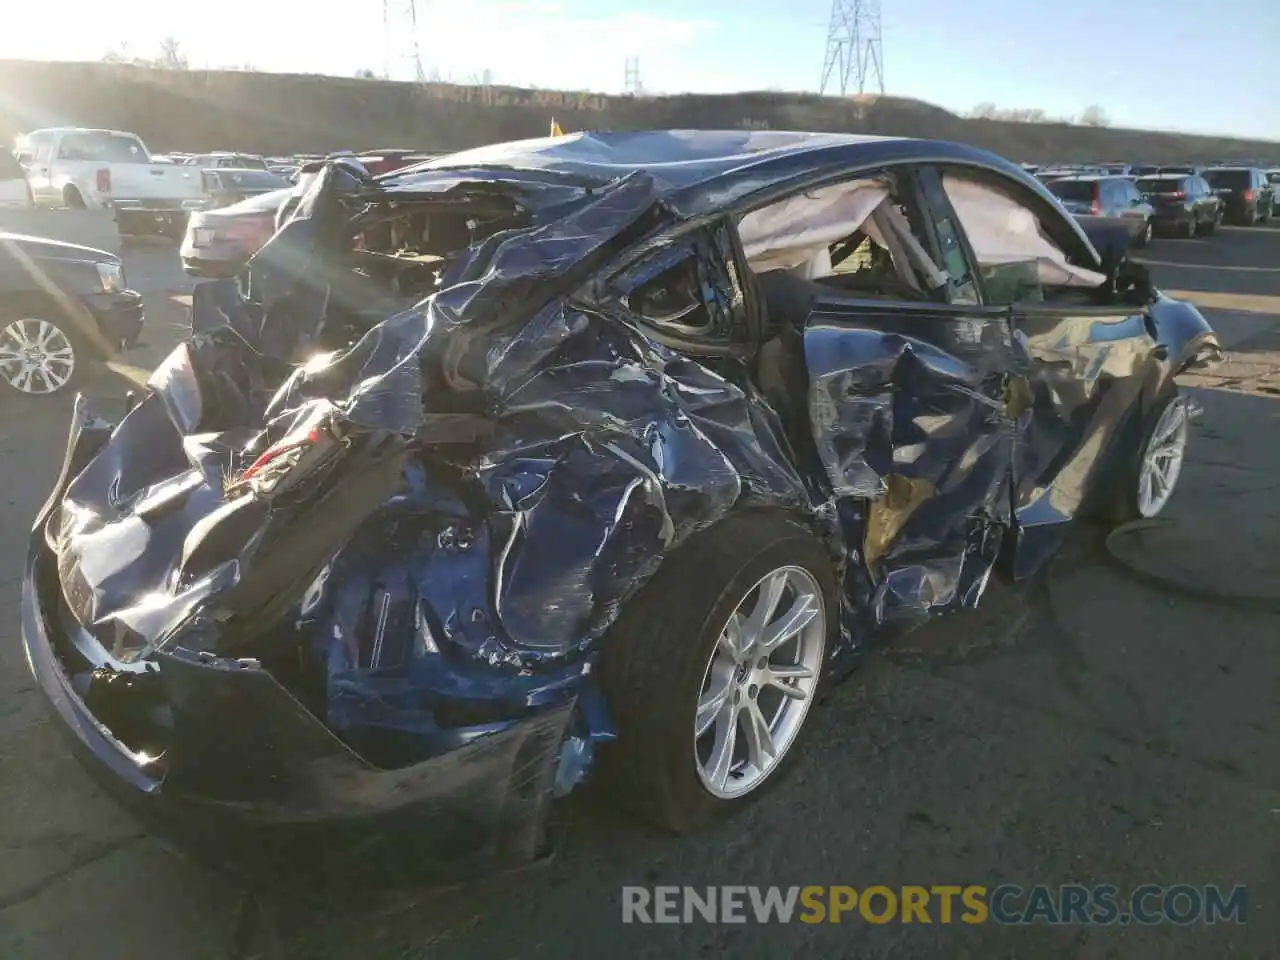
(1096, 728)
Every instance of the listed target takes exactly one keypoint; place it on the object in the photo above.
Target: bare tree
(1094, 116)
(364, 73)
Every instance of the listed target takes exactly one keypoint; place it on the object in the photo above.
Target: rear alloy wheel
(759, 682)
(1144, 237)
(713, 667)
(1189, 228)
(37, 358)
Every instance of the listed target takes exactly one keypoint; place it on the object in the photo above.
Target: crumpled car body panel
(519, 455)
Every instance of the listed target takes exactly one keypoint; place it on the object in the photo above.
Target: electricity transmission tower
(853, 46)
(631, 81)
(393, 29)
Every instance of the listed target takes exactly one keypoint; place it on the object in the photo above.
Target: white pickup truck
(78, 167)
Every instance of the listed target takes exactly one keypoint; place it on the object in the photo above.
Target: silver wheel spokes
(1162, 459)
(35, 356)
(760, 682)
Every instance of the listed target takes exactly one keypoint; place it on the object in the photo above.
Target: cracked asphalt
(1093, 728)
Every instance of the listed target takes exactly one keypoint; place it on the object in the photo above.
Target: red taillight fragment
(1096, 207)
(104, 180)
(313, 436)
(1248, 196)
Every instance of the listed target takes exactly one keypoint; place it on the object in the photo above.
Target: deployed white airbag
(799, 229)
(1003, 231)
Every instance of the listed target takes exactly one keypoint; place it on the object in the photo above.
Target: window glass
(1016, 257)
(102, 148)
(672, 298)
(1078, 190)
(690, 289)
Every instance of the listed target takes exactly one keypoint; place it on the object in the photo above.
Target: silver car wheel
(760, 682)
(36, 358)
(1162, 459)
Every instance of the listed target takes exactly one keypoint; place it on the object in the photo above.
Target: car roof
(1092, 177)
(65, 130)
(1166, 176)
(705, 172)
(678, 158)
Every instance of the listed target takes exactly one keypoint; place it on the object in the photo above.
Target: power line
(853, 46)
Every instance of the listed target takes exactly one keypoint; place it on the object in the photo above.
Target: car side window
(43, 148)
(1018, 259)
(859, 237)
(689, 289)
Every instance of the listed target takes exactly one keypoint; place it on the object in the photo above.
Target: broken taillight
(1248, 196)
(1096, 207)
(285, 464)
(104, 180)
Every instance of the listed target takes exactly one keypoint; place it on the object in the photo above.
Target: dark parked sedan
(1245, 191)
(1183, 204)
(61, 307)
(629, 446)
(218, 243)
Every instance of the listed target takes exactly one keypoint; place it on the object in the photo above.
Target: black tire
(1122, 504)
(71, 197)
(80, 356)
(655, 660)
(1144, 236)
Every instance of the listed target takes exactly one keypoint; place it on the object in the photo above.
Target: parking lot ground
(1092, 728)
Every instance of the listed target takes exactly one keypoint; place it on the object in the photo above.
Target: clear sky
(1168, 64)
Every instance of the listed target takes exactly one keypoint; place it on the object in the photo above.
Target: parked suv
(1114, 199)
(1183, 204)
(1245, 191)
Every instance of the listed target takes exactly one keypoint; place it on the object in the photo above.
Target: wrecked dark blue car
(593, 457)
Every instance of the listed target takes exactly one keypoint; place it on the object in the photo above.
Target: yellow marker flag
(555, 129)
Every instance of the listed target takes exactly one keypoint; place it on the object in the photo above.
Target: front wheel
(38, 357)
(1144, 235)
(712, 668)
(1147, 483)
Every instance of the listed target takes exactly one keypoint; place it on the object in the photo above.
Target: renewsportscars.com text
(1148, 904)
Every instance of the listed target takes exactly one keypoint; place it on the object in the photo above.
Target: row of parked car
(1177, 200)
(78, 167)
(76, 305)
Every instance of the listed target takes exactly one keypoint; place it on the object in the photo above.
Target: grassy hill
(283, 113)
